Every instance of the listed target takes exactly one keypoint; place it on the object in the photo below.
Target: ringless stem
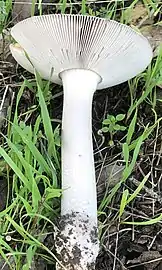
(79, 200)
(78, 174)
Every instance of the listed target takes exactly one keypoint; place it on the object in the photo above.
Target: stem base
(77, 242)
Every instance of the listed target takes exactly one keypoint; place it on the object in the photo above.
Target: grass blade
(46, 122)
(123, 202)
(14, 167)
(33, 149)
(138, 189)
(131, 128)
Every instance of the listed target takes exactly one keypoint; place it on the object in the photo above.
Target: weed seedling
(112, 125)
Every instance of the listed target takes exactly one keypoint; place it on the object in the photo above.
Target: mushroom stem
(78, 174)
(77, 243)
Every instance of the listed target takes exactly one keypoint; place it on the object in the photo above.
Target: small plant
(5, 7)
(112, 125)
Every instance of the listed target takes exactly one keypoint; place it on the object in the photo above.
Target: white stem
(77, 242)
(78, 174)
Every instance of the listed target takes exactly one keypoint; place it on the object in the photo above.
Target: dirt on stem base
(77, 242)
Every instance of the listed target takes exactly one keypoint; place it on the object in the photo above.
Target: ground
(129, 209)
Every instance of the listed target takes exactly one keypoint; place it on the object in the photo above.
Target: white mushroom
(19, 54)
(86, 53)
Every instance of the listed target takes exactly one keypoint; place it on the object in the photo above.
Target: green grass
(28, 169)
(5, 8)
(30, 154)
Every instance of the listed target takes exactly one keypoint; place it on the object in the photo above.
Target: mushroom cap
(19, 54)
(60, 42)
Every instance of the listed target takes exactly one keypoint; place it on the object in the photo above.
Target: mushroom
(86, 53)
(19, 54)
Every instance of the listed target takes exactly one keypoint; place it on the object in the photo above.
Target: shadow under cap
(60, 42)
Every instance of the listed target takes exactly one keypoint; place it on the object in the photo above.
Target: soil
(122, 246)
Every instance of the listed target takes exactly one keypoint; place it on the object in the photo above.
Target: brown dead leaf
(159, 267)
(109, 176)
(139, 12)
(150, 260)
(154, 35)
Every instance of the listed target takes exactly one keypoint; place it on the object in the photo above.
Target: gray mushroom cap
(58, 42)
